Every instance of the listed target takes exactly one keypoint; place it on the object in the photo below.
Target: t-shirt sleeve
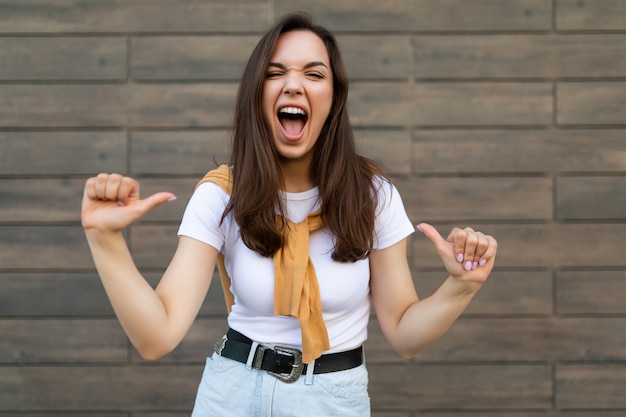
(392, 222)
(202, 218)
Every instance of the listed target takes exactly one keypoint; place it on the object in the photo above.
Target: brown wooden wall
(505, 115)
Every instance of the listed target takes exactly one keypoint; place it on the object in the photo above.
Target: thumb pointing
(144, 205)
(157, 199)
(431, 233)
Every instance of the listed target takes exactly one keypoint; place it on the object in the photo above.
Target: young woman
(307, 235)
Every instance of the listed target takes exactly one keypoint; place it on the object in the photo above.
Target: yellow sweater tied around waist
(296, 290)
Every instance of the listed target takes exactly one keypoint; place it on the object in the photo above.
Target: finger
(457, 237)
(471, 243)
(128, 190)
(112, 187)
(490, 251)
(148, 203)
(90, 188)
(433, 235)
(100, 186)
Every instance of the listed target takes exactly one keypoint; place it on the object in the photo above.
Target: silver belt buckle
(296, 368)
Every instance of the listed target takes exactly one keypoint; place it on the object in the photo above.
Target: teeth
(292, 110)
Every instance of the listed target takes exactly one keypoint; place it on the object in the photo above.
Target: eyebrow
(306, 66)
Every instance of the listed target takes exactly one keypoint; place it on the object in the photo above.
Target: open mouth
(293, 120)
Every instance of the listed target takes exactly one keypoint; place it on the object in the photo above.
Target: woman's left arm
(410, 324)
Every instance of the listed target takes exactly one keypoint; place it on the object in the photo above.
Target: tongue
(293, 127)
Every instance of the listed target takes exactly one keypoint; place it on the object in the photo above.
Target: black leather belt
(282, 362)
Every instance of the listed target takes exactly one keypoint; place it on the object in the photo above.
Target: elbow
(153, 353)
(150, 356)
(407, 354)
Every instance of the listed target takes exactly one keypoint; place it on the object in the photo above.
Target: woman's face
(297, 93)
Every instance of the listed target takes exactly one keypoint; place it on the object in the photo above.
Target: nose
(293, 84)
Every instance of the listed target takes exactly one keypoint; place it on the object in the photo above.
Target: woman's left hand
(466, 254)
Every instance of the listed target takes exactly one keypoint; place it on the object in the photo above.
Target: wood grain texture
(590, 15)
(52, 341)
(149, 16)
(460, 387)
(591, 198)
(40, 58)
(520, 56)
(61, 153)
(451, 104)
(425, 15)
(590, 386)
(132, 105)
(519, 151)
(591, 103)
(507, 116)
(471, 199)
(542, 246)
(70, 388)
(590, 292)
(191, 153)
(190, 58)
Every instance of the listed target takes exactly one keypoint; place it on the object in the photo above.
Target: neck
(297, 176)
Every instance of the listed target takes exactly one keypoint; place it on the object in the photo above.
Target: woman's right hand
(111, 202)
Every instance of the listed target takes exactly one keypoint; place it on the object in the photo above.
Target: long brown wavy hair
(344, 178)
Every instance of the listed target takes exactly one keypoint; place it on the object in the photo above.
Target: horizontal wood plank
(531, 340)
(197, 345)
(506, 292)
(424, 15)
(390, 148)
(376, 57)
(590, 386)
(39, 58)
(590, 292)
(590, 15)
(460, 387)
(436, 199)
(62, 152)
(33, 294)
(62, 341)
(43, 247)
(520, 339)
(80, 16)
(599, 103)
(450, 104)
(153, 245)
(189, 58)
(45, 294)
(130, 105)
(20, 200)
(178, 152)
(99, 388)
(520, 56)
(590, 198)
(524, 151)
(537, 246)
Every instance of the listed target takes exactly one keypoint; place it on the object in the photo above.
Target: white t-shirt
(344, 287)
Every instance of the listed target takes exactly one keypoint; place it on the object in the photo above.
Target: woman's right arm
(155, 320)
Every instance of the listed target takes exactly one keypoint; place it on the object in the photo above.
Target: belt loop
(308, 378)
(251, 355)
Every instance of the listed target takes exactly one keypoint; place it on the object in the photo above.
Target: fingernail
(459, 257)
(468, 266)
(483, 262)
(474, 265)
(173, 198)
(417, 226)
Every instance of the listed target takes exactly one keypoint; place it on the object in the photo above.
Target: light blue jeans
(230, 389)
